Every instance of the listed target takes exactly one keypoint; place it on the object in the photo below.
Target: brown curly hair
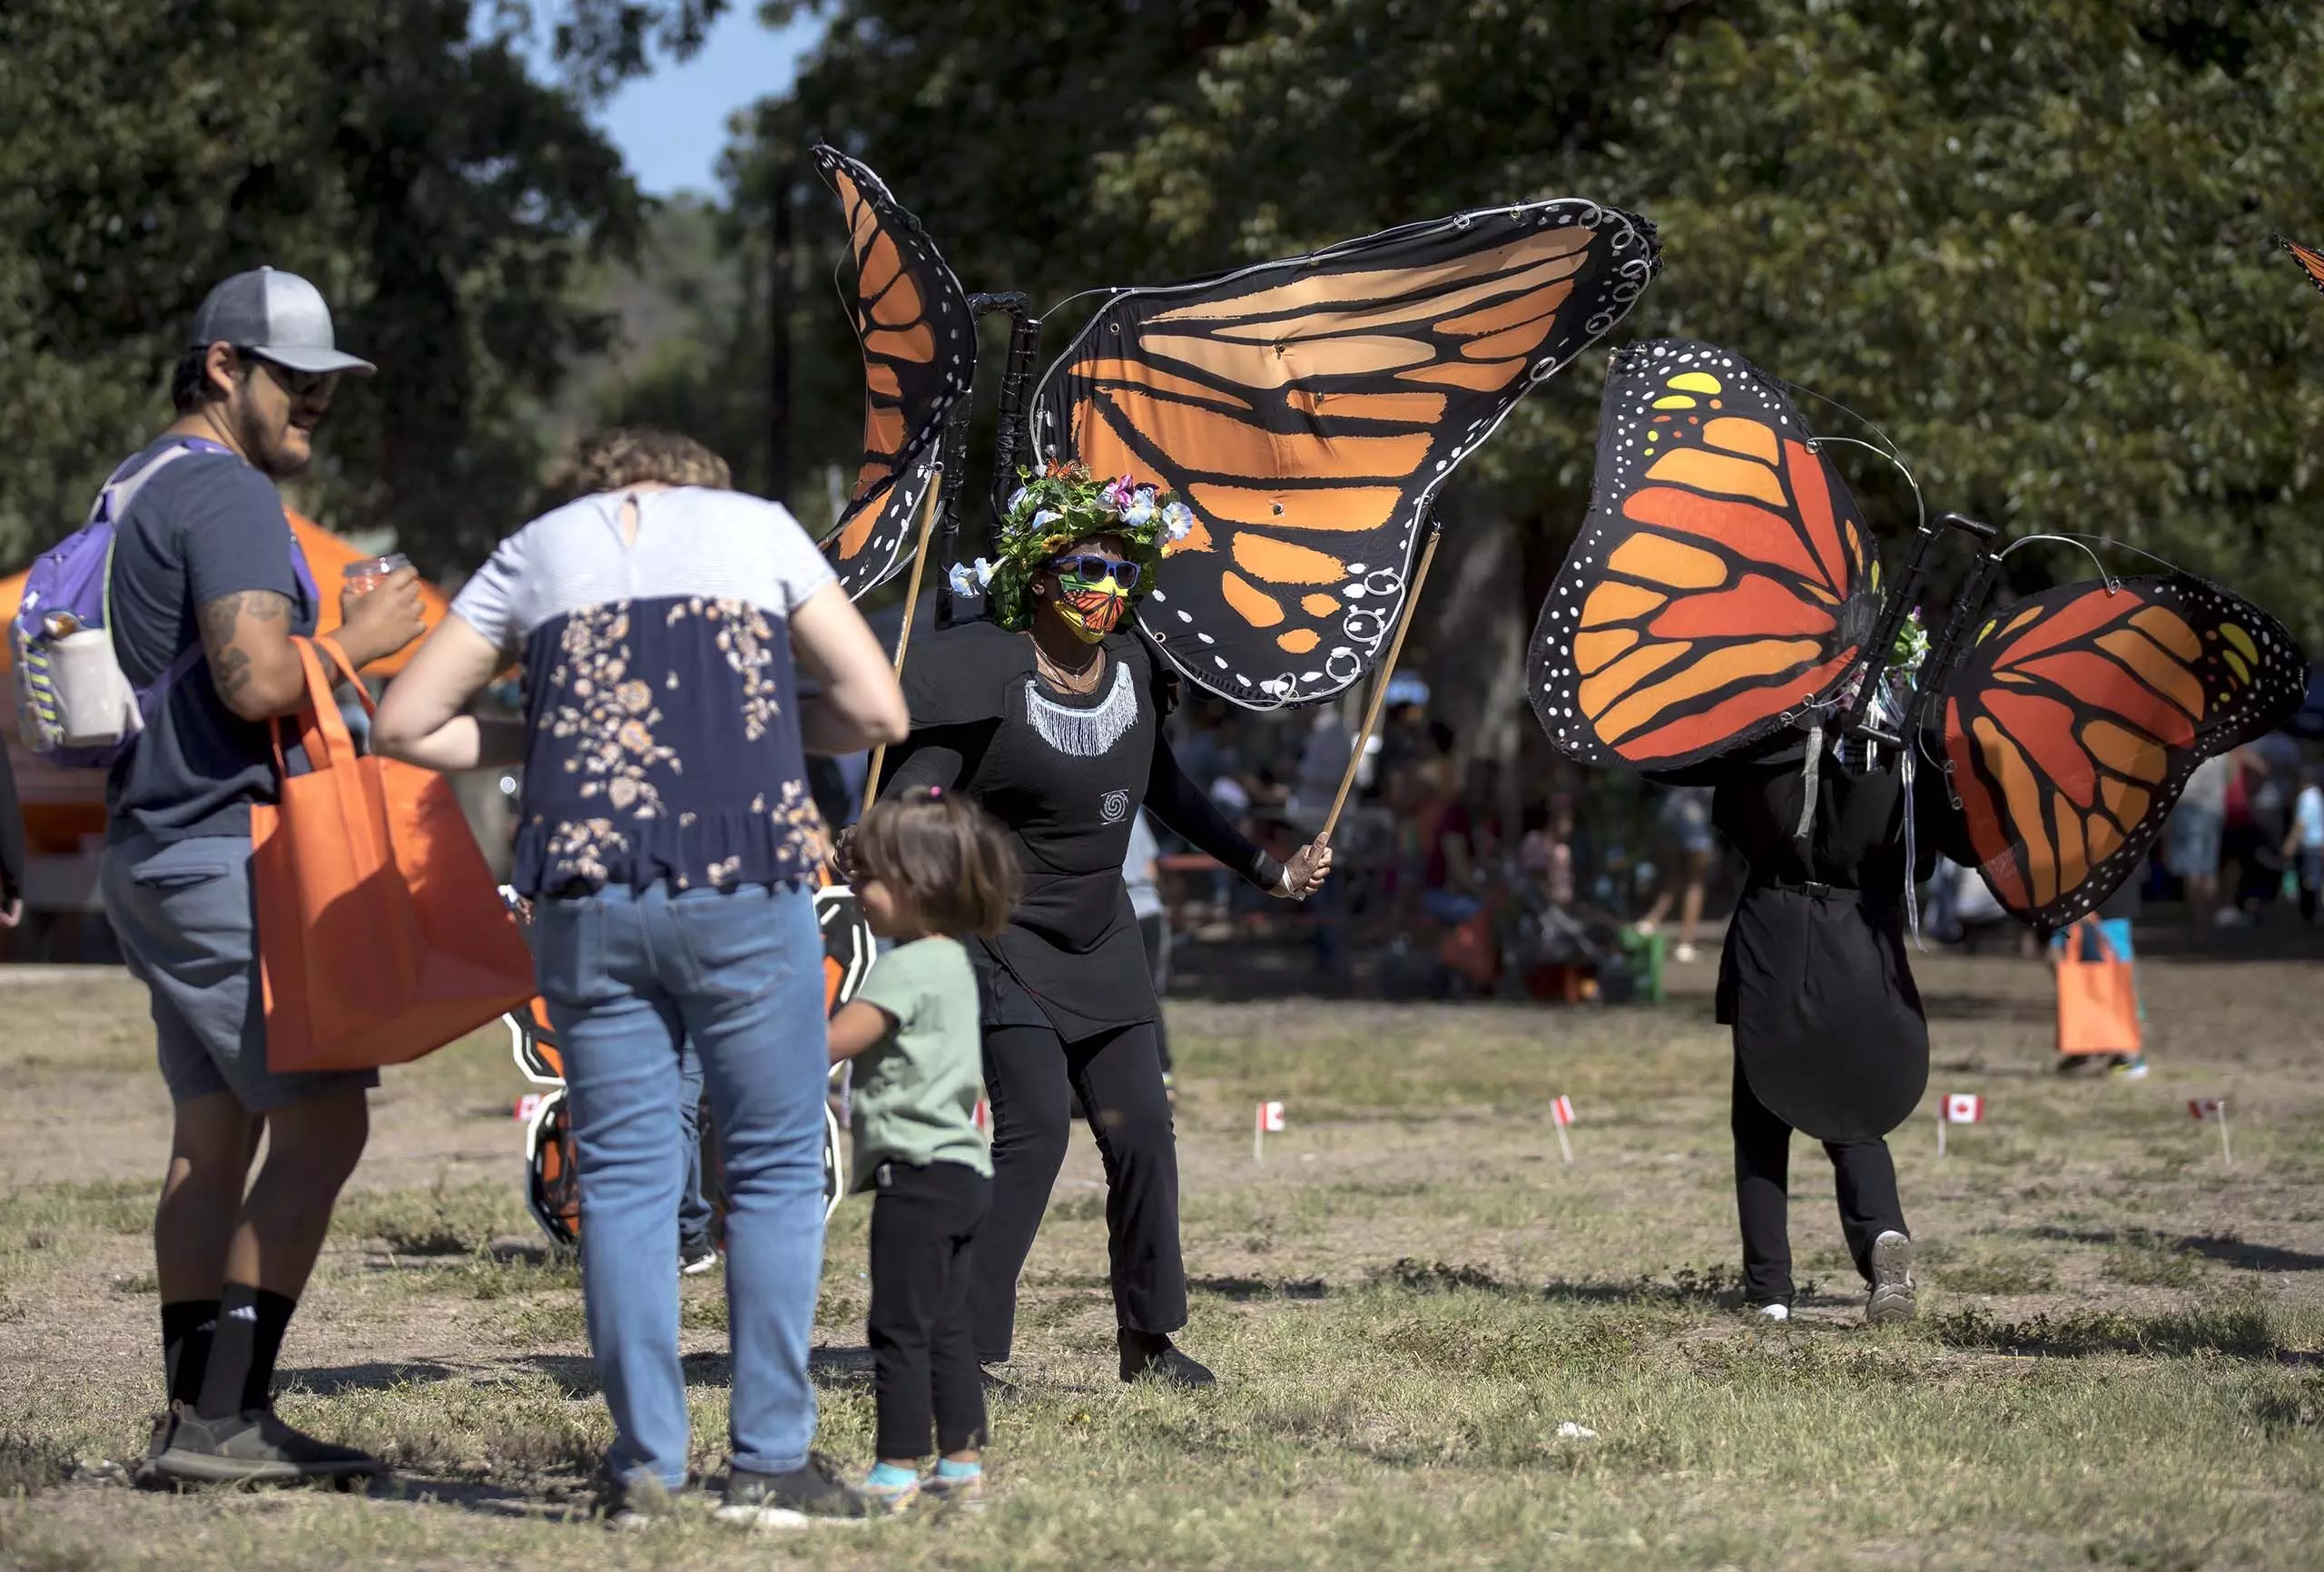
(636, 455)
(945, 857)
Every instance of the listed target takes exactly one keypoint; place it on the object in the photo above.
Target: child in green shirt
(929, 868)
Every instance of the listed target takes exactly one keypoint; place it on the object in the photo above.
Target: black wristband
(1267, 873)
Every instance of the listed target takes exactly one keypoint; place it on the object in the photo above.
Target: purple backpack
(76, 708)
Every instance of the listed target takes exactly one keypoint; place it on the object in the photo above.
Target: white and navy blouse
(659, 691)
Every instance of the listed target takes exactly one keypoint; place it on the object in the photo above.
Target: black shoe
(252, 1448)
(697, 1257)
(1149, 1356)
(634, 1500)
(1000, 1375)
(814, 1494)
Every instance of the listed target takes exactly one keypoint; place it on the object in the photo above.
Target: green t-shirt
(915, 1092)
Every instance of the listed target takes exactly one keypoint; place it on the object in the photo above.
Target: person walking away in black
(1048, 716)
(1830, 1037)
(204, 557)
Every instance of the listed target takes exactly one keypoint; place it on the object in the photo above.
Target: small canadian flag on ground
(1561, 1116)
(1964, 1108)
(1269, 1122)
(2213, 1108)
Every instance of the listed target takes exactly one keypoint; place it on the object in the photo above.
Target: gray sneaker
(254, 1447)
(1891, 1303)
(815, 1494)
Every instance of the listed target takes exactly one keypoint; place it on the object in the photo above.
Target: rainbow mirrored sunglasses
(1092, 568)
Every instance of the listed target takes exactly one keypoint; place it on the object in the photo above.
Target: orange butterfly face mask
(1093, 608)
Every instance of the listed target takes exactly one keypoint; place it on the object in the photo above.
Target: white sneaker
(1775, 1311)
(1684, 953)
(1891, 1303)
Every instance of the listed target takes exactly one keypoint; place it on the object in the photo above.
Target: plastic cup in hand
(364, 576)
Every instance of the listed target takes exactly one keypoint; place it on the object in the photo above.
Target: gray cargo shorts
(184, 916)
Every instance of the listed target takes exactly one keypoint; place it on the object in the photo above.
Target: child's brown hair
(945, 856)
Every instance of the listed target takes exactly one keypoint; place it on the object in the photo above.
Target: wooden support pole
(903, 634)
(1380, 683)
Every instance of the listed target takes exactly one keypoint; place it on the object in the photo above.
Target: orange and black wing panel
(2076, 718)
(2307, 258)
(849, 947)
(1307, 409)
(1723, 582)
(919, 351)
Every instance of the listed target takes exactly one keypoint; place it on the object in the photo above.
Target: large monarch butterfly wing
(2076, 716)
(2306, 257)
(1306, 410)
(920, 350)
(1723, 580)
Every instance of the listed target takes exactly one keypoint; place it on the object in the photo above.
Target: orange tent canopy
(327, 553)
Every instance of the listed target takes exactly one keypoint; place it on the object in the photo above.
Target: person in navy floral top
(667, 838)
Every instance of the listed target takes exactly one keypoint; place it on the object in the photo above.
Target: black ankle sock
(187, 1327)
(251, 1324)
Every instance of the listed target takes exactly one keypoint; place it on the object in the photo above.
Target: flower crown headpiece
(1062, 505)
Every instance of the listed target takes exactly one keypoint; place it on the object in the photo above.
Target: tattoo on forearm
(222, 621)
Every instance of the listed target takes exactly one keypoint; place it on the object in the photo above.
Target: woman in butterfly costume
(1716, 624)
(1050, 714)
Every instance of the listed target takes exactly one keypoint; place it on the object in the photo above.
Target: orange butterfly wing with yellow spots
(2076, 716)
(1723, 581)
(919, 352)
(1306, 410)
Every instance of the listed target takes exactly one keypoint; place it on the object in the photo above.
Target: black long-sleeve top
(12, 836)
(1065, 775)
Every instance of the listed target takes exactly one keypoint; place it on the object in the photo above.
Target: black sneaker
(697, 1257)
(635, 1500)
(252, 1448)
(798, 1499)
(1892, 1280)
(1149, 1356)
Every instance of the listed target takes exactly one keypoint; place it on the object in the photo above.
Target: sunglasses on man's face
(298, 384)
(1095, 569)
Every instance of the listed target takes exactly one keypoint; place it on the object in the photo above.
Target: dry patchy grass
(2120, 1362)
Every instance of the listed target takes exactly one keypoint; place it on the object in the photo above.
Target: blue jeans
(631, 978)
(695, 1215)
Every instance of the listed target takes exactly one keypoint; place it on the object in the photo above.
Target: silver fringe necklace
(1088, 733)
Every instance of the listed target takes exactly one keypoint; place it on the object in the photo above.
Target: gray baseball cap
(276, 315)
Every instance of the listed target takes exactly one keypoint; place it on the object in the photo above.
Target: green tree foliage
(449, 206)
(2025, 237)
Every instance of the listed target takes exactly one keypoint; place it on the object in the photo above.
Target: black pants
(1863, 1173)
(1118, 1077)
(924, 1224)
(1156, 932)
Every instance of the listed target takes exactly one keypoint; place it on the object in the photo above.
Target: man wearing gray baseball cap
(207, 585)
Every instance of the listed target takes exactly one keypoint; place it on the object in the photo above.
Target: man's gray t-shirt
(206, 526)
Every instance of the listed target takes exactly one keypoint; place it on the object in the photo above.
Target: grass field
(2120, 1360)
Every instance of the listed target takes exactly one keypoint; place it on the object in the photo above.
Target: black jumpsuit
(1829, 1034)
(1067, 998)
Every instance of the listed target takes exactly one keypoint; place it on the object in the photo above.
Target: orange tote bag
(2098, 1006)
(381, 934)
